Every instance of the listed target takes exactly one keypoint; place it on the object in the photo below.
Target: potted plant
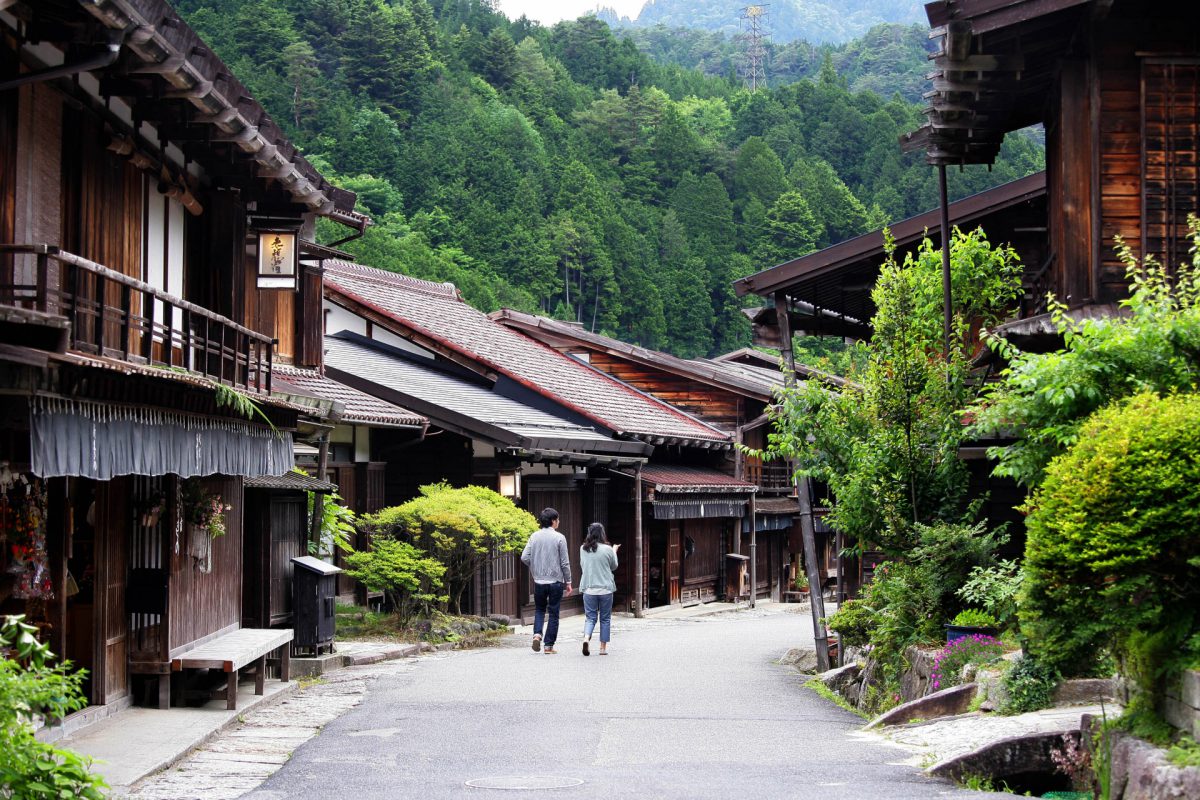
(204, 514)
(970, 622)
(801, 583)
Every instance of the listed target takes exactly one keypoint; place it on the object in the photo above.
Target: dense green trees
(563, 171)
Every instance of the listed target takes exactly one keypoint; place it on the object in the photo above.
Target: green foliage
(336, 525)
(536, 167)
(854, 622)
(1111, 547)
(818, 686)
(994, 588)
(1030, 685)
(1045, 397)
(31, 687)
(458, 527)
(887, 446)
(411, 580)
(1185, 752)
(974, 618)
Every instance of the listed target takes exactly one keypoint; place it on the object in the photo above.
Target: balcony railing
(774, 477)
(116, 316)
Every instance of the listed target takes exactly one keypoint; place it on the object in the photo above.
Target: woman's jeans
(597, 605)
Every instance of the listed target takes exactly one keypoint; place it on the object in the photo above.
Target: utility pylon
(754, 24)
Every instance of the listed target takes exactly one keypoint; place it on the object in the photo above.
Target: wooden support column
(753, 553)
(807, 530)
(947, 308)
(639, 552)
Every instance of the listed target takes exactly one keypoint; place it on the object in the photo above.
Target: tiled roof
(455, 401)
(554, 331)
(360, 408)
(292, 481)
(436, 311)
(670, 478)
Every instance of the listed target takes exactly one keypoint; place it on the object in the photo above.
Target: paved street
(682, 708)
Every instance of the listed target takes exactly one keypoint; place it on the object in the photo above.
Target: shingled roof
(359, 408)
(434, 315)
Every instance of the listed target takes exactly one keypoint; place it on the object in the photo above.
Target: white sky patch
(549, 12)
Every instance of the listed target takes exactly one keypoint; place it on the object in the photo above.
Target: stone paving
(241, 758)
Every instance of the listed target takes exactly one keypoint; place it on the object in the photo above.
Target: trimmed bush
(1112, 546)
(853, 622)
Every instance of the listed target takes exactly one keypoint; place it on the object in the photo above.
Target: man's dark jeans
(546, 597)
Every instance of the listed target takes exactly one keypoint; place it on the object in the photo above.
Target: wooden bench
(233, 651)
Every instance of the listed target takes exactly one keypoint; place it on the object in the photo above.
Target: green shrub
(31, 686)
(1030, 684)
(974, 618)
(411, 580)
(995, 590)
(1111, 546)
(853, 622)
(459, 527)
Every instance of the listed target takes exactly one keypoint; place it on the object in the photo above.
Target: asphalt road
(691, 708)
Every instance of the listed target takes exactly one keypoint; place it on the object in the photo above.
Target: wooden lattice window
(1170, 144)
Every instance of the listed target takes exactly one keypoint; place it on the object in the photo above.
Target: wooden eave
(171, 79)
(850, 267)
(993, 73)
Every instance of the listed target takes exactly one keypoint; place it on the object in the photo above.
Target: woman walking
(598, 562)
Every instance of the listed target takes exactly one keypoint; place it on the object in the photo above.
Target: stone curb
(289, 688)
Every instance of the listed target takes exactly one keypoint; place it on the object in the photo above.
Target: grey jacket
(546, 556)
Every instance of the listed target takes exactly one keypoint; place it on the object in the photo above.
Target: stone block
(946, 703)
(1140, 771)
(838, 678)
(1014, 756)
(1085, 691)
(358, 659)
(804, 659)
(1191, 688)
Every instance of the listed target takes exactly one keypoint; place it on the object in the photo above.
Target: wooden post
(753, 553)
(318, 509)
(946, 293)
(841, 590)
(807, 531)
(639, 553)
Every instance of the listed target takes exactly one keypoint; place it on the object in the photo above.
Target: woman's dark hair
(547, 517)
(595, 537)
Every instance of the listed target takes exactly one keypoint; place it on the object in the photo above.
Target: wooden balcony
(772, 477)
(112, 315)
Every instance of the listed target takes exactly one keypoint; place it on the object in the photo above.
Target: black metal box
(314, 600)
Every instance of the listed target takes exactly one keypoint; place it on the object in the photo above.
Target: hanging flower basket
(204, 515)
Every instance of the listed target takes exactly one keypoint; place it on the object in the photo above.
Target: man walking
(546, 556)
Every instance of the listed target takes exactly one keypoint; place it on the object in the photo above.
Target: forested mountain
(888, 58)
(560, 170)
(788, 20)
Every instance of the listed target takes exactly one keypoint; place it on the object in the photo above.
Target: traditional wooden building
(728, 393)
(1116, 86)
(153, 273)
(588, 469)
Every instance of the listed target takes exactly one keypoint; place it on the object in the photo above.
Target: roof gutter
(98, 61)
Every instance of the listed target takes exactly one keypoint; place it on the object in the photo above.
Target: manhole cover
(524, 782)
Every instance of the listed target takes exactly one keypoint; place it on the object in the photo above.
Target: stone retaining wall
(1182, 706)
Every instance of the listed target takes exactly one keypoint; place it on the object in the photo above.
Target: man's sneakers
(550, 651)
(586, 651)
(537, 642)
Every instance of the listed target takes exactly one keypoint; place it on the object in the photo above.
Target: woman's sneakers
(586, 651)
(537, 642)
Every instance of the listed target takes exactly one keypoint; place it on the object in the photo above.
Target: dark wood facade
(124, 249)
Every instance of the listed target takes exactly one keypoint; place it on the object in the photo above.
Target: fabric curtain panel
(92, 440)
